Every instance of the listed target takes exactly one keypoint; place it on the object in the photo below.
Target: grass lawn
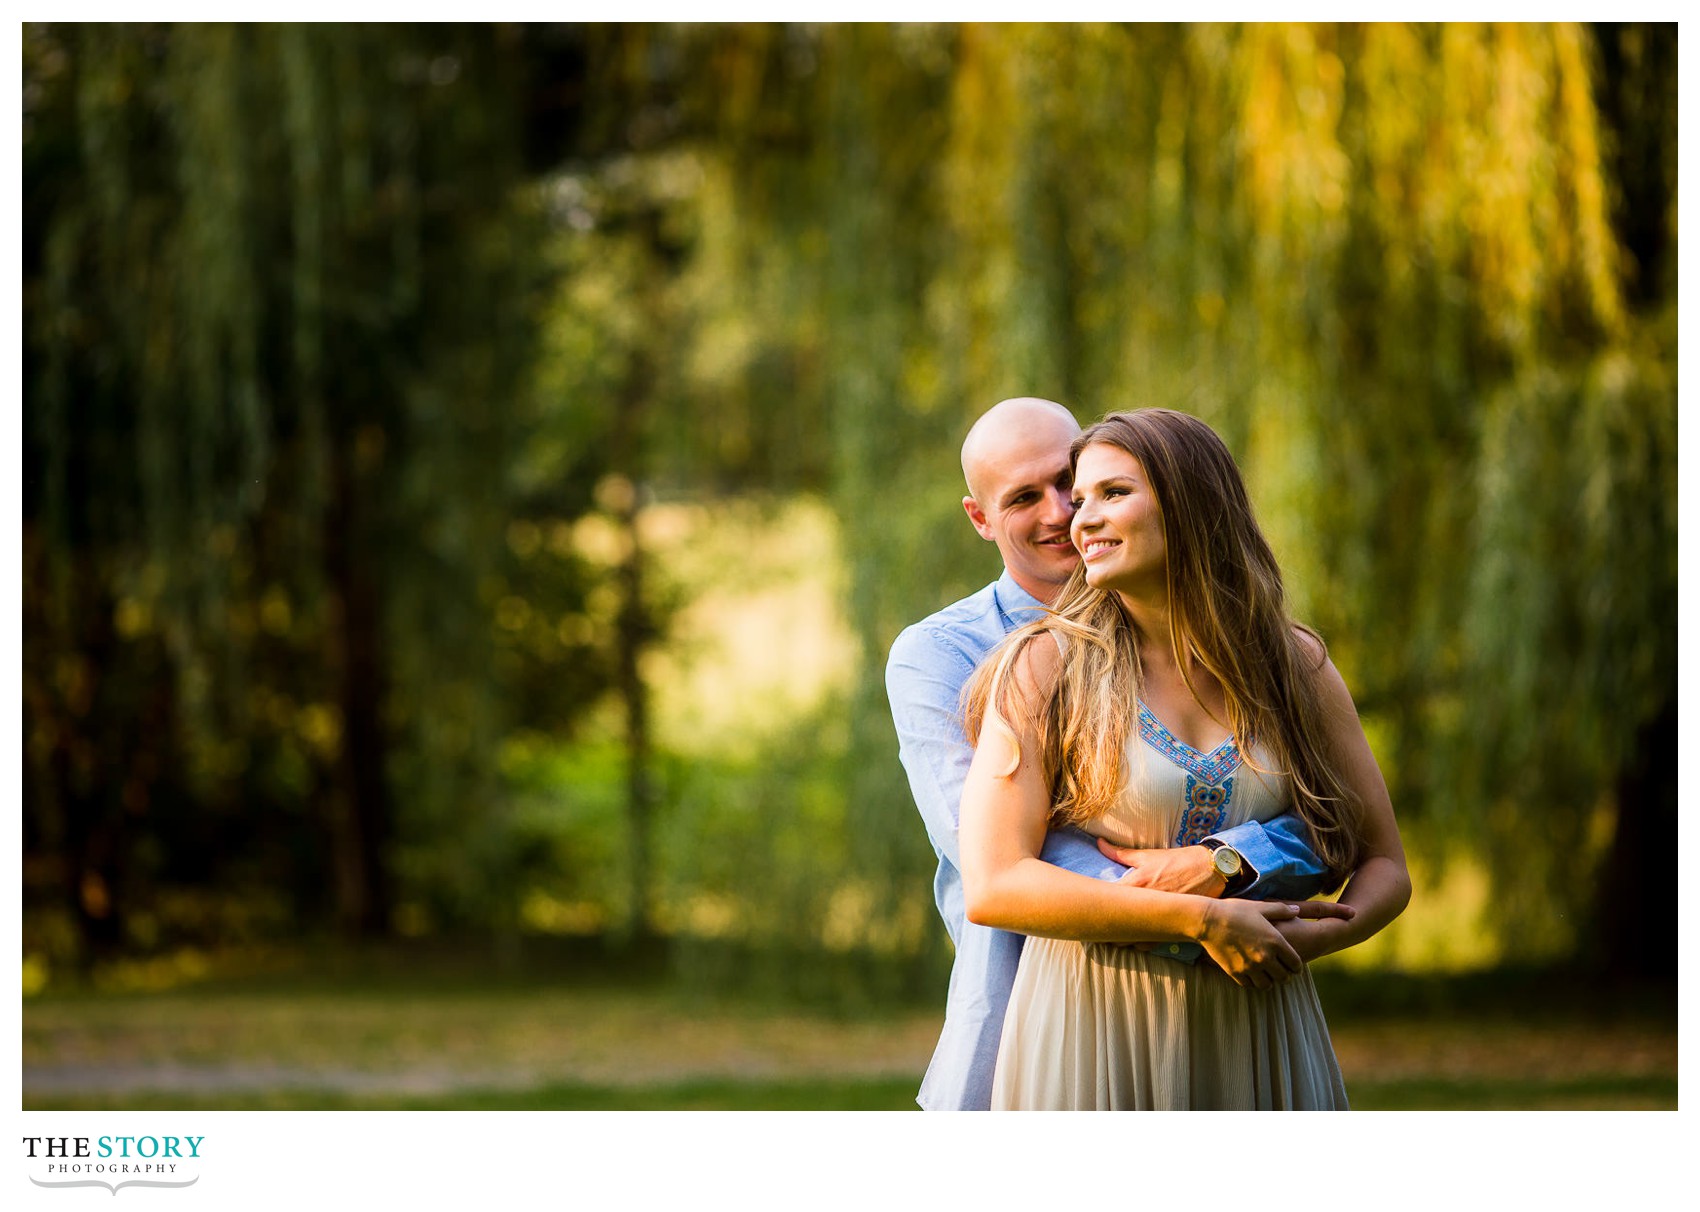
(877, 1094)
(425, 1044)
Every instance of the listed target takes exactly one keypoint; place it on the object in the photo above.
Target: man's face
(1022, 503)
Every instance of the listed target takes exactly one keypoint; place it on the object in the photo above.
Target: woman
(1167, 696)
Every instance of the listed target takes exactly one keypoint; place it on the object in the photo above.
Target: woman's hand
(1381, 885)
(1242, 938)
(1313, 939)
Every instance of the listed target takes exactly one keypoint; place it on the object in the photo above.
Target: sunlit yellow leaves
(981, 169)
(575, 630)
(615, 493)
(601, 540)
(35, 973)
(524, 537)
(513, 613)
(602, 602)
(131, 617)
(320, 725)
(550, 915)
(275, 613)
(1295, 172)
(1477, 148)
(1582, 174)
(1481, 151)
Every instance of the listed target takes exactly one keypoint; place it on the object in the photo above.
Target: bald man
(1015, 462)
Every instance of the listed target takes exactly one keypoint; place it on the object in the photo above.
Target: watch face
(1227, 862)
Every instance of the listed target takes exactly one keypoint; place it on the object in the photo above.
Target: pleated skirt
(1100, 1027)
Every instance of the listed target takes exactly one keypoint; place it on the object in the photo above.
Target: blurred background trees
(472, 475)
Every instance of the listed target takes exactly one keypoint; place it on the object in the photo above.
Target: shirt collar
(1015, 605)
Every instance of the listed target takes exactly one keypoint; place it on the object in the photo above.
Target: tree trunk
(640, 796)
(92, 843)
(362, 818)
(1635, 916)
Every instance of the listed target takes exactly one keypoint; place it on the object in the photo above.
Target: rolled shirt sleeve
(1278, 850)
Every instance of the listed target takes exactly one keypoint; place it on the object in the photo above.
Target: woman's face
(1118, 528)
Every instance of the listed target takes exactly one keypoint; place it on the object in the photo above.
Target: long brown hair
(1227, 611)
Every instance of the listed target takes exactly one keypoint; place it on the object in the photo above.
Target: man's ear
(977, 516)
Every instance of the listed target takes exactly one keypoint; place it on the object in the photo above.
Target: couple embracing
(1136, 770)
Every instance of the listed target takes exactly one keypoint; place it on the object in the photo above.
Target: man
(1015, 462)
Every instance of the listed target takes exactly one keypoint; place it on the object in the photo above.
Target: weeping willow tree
(277, 313)
(300, 503)
(1384, 261)
(1420, 277)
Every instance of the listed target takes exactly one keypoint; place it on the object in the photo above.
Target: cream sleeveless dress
(1108, 1027)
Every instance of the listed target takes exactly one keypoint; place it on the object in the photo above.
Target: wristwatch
(1229, 865)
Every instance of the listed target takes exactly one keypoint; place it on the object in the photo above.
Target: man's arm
(924, 677)
(1277, 852)
(1283, 864)
(925, 674)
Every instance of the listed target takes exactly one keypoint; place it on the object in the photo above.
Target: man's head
(1015, 460)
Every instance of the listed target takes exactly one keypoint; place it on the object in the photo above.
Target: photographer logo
(113, 1162)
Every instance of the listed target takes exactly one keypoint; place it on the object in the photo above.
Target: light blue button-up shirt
(930, 663)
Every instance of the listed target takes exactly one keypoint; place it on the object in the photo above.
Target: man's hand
(1182, 869)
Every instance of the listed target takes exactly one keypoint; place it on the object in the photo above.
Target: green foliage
(1384, 262)
(272, 327)
(355, 358)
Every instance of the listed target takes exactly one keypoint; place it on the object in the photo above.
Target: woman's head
(1217, 563)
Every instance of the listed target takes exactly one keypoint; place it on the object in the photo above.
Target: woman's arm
(1380, 887)
(1005, 806)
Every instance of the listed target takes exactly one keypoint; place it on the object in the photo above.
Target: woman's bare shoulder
(1036, 665)
(1330, 685)
(1311, 646)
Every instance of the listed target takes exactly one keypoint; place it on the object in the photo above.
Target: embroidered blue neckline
(1211, 767)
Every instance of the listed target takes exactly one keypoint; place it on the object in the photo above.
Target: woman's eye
(1076, 502)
